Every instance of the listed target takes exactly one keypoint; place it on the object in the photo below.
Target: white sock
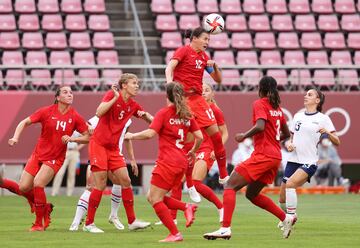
(291, 200)
(82, 207)
(115, 199)
(282, 206)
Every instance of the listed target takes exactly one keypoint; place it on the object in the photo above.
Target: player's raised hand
(12, 142)
(115, 90)
(210, 63)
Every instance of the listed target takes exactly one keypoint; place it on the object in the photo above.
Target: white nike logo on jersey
(54, 118)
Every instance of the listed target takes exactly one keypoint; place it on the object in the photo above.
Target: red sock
(162, 211)
(40, 202)
(176, 193)
(94, 201)
(188, 174)
(229, 206)
(207, 192)
(266, 203)
(128, 201)
(220, 153)
(14, 188)
(174, 204)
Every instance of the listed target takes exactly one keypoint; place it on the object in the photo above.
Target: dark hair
(268, 88)
(194, 33)
(175, 93)
(321, 97)
(125, 77)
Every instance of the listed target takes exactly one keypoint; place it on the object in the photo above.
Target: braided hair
(268, 88)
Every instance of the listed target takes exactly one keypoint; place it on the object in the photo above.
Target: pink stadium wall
(15, 106)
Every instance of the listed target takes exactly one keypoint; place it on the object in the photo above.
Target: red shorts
(102, 159)
(201, 110)
(33, 165)
(166, 177)
(259, 168)
(205, 156)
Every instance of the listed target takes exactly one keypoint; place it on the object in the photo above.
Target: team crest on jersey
(128, 110)
(70, 120)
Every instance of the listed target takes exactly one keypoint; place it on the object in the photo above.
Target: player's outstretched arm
(258, 127)
(105, 106)
(19, 129)
(143, 135)
(169, 71)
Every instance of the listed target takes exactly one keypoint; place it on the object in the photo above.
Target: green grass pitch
(324, 221)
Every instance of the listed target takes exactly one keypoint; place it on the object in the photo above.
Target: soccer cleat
(223, 180)
(47, 216)
(138, 224)
(172, 238)
(190, 213)
(115, 220)
(281, 225)
(74, 227)
(222, 233)
(160, 222)
(36, 228)
(194, 195)
(92, 229)
(288, 224)
(221, 214)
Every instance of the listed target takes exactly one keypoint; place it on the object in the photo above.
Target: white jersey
(95, 120)
(305, 129)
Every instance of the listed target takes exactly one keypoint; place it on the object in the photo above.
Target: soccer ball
(214, 24)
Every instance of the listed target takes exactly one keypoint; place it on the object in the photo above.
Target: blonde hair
(175, 94)
(212, 100)
(125, 77)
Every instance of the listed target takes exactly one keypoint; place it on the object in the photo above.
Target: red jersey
(108, 131)
(172, 131)
(54, 126)
(190, 69)
(268, 141)
(219, 116)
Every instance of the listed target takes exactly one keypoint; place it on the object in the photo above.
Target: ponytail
(190, 34)
(175, 93)
(57, 93)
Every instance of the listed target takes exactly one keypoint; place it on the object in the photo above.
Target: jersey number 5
(179, 141)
